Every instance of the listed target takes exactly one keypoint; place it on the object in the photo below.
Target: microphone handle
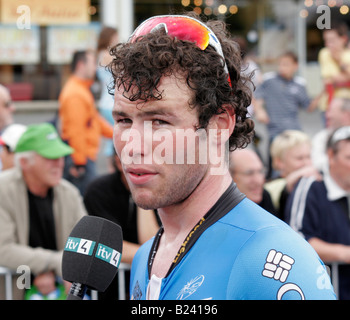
(77, 291)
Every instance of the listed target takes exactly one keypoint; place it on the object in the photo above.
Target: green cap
(44, 140)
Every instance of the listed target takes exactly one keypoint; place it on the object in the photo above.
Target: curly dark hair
(142, 64)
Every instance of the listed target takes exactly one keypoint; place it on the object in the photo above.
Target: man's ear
(330, 155)
(226, 120)
(277, 164)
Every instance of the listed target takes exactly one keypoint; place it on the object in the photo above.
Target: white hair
(29, 155)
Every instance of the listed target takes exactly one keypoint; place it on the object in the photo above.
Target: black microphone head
(92, 253)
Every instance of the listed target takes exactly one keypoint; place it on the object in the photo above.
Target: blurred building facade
(37, 37)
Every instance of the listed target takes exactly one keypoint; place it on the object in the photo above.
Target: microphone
(92, 255)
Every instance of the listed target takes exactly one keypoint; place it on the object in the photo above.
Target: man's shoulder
(9, 176)
(249, 216)
(258, 229)
(67, 188)
(73, 88)
(308, 186)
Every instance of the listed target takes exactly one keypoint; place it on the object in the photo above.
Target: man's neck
(179, 219)
(35, 187)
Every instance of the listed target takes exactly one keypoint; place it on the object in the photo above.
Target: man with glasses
(319, 210)
(178, 86)
(248, 171)
(6, 111)
(6, 108)
(8, 143)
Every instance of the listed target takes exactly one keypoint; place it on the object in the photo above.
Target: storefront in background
(36, 47)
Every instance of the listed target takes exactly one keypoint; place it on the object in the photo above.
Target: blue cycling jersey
(246, 254)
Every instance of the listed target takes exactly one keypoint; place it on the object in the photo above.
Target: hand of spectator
(67, 286)
(314, 103)
(308, 171)
(77, 171)
(262, 116)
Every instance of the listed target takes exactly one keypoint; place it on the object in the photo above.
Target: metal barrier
(334, 274)
(123, 267)
(7, 273)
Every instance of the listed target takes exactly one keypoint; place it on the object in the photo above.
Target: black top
(41, 221)
(267, 204)
(107, 197)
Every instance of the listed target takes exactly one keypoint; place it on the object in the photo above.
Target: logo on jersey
(277, 266)
(190, 288)
(137, 293)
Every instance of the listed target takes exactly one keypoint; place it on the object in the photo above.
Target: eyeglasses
(183, 28)
(251, 173)
(8, 104)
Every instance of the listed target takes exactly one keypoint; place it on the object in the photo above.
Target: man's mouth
(139, 176)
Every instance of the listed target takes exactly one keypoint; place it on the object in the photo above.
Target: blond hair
(285, 141)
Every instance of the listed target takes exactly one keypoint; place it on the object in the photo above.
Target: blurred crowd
(48, 177)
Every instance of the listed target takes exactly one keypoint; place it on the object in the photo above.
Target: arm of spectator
(330, 252)
(314, 103)
(259, 111)
(106, 127)
(14, 254)
(74, 121)
(294, 177)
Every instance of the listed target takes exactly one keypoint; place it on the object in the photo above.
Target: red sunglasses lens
(179, 27)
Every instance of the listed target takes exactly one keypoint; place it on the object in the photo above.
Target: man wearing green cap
(38, 208)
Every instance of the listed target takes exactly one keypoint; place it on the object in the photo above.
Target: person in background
(109, 197)
(81, 124)
(38, 210)
(319, 210)
(248, 171)
(108, 38)
(7, 109)
(291, 156)
(334, 61)
(250, 67)
(8, 142)
(278, 99)
(338, 115)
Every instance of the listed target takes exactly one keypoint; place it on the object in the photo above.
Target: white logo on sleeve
(277, 266)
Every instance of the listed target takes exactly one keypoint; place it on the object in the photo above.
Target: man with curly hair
(180, 108)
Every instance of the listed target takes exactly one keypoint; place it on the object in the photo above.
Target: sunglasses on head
(183, 28)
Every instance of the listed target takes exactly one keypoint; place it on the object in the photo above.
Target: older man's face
(6, 108)
(339, 164)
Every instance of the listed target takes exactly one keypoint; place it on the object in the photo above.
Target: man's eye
(123, 121)
(159, 122)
